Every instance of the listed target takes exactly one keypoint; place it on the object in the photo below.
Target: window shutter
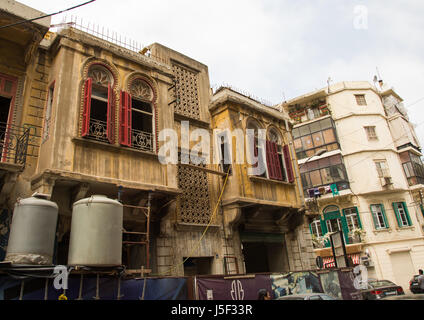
(407, 214)
(278, 169)
(384, 216)
(87, 106)
(110, 115)
(125, 119)
(323, 226)
(395, 209)
(270, 160)
(289, 166)
(359, 218)
(374, 218)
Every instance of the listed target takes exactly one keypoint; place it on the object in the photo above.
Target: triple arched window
(136, 110)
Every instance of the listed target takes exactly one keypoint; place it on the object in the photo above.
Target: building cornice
(360, 114)
(227, 95)
(370, 150)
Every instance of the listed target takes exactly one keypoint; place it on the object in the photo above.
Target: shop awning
(329, 261)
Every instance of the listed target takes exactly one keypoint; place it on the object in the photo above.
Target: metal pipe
(119, 296)
(97, 297)
(22, 290)
(80, 288)
(46, 289)
(149, 200)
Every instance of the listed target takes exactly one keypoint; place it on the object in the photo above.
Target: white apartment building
(361, 170)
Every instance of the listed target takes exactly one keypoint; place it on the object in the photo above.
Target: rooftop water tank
(96, 232)
(33, 231)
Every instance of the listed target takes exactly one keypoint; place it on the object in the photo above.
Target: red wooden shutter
(110, 115)
(125, 119)
(289, 166)
(278, 173)
(270, 160)
(87, 106)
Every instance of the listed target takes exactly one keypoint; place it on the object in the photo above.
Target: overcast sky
(278, 49)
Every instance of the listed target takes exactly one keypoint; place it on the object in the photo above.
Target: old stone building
(23, 85)
(95, 112)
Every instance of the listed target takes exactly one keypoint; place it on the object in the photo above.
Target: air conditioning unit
(367, 262)
(386, 181)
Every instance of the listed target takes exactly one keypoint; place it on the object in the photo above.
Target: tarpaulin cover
(218, 288)
(349, 292)
(331, 284)
(131, 289)
(295, 283)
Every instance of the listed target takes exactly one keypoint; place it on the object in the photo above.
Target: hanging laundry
(334, 189)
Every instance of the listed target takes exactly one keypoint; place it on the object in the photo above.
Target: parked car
(413, 285)
(379, 289)
(417, 296)
(308, 296)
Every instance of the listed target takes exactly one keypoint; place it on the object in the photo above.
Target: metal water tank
(33, 231)
(96, 232)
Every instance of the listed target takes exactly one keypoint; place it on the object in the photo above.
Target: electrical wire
(45, 16)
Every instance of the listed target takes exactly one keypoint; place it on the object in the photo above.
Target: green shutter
(395, 209)
(345, 228)
(407, 214)
(323, 227)
(384, 216)
(374, 217)
(359, 218)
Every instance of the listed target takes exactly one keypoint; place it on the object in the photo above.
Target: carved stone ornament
(100, 75)
(141, 89)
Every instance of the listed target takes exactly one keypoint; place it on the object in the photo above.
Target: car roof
(306, 294)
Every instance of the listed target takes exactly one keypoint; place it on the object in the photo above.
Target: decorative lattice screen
(186, 87)
(194, 202)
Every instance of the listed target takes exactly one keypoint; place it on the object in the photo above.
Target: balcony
(98, 130)
(142, 140)
(13, 144)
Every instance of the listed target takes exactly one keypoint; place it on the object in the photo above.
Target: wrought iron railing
(13, 143)
(98, 130)
(142, 140)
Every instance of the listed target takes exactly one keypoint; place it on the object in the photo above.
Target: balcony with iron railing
(13, 144)
(98, 130)
(140, 140)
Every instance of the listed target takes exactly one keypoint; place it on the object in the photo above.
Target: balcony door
(334, 222)
(7, 100)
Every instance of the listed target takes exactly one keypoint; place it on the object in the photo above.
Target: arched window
(137, 116)
(99, 105)
(330, 209)
(278, 157)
